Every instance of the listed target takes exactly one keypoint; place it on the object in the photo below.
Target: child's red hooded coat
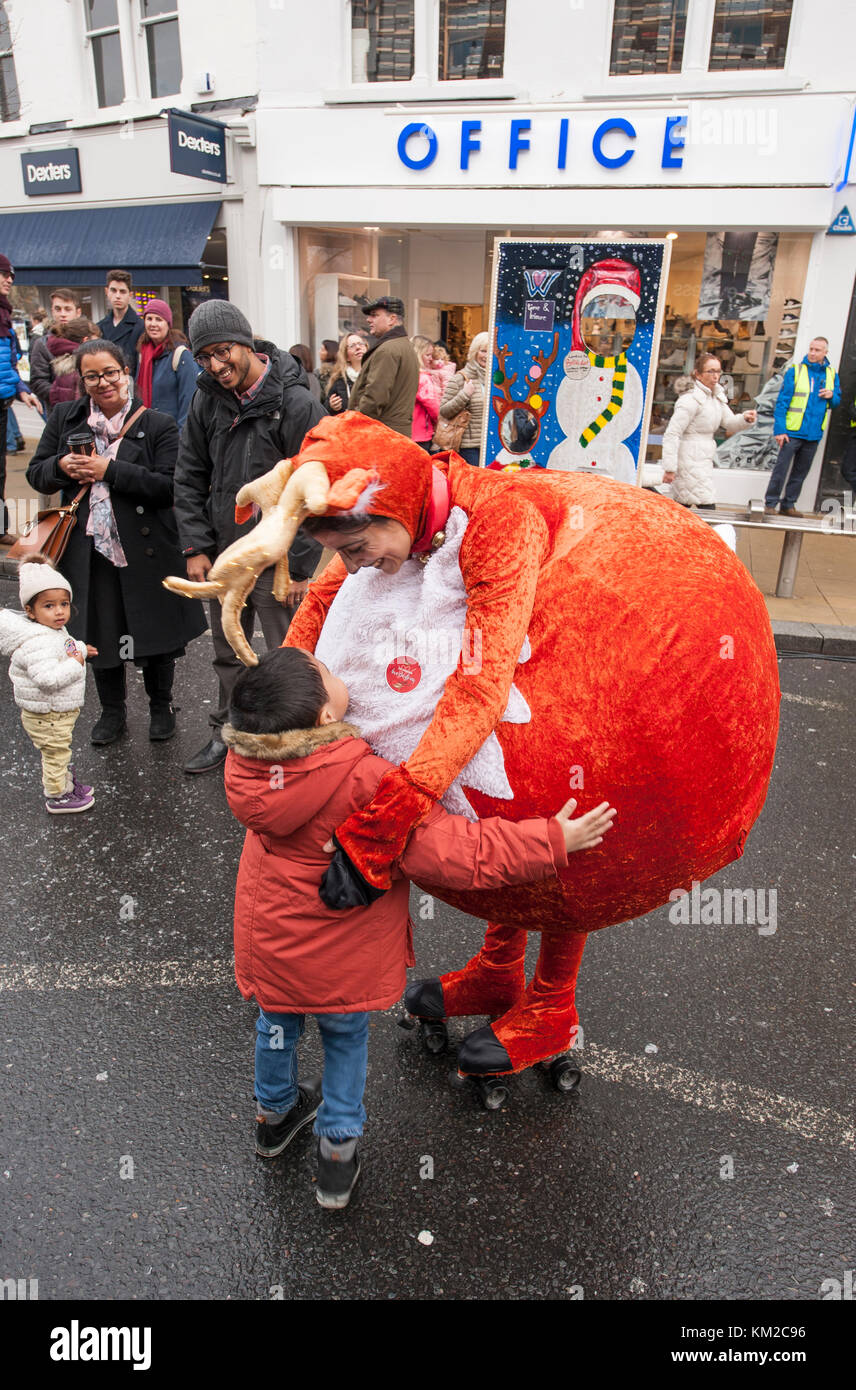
(291, 791)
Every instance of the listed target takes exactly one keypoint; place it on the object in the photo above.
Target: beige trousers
(51, 734)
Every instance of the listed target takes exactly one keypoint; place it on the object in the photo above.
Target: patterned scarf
(618, 365)
(101, 525)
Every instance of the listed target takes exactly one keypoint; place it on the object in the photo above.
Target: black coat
(140, 482)
(126, 334)
(225, 444)
(340, 387)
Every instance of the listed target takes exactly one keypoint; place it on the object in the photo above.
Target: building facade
(381, 145)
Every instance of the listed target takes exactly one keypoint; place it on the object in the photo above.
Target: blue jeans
(470, 456)
(346, 1049)
(800, 452)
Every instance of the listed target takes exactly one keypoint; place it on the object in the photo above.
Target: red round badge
(403, 673)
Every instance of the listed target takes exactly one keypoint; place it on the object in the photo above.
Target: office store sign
(51, 172)
(543, 144)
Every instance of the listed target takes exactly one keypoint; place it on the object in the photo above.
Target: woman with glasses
(125, 541)
(689, 446)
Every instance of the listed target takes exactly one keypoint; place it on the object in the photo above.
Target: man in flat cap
(386, 387)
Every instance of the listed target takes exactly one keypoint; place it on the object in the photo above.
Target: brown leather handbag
(49, 534)
(51, 531)
(449, 433)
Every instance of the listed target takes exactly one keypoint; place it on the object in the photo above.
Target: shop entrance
(454, 324)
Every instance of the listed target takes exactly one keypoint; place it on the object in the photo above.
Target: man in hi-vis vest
(809, 391)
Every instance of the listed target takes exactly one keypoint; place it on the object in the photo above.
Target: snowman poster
(574, 336)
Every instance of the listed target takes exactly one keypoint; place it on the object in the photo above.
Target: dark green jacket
(386, 387)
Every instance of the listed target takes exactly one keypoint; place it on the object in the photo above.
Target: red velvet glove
(372, 840)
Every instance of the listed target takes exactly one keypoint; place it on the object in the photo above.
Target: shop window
(159, 19)
(647, 36)
(472, 39)
(382, 40)
(10, 103)
(102, 33)
(750, 34)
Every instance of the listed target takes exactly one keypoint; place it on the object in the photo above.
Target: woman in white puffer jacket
(689, 447)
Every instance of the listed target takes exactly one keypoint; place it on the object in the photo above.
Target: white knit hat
(34, 578)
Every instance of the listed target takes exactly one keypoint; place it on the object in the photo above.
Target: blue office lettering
(417, 128)
(468, 144)
(673, 141)
(518, 141)
(614, 123)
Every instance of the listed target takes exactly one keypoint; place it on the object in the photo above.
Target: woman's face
(6, 282)
(428, 358)
(711, 373)
(356, 349)
(377, 546)
(105, 381)
(481, 356)
(156, 327)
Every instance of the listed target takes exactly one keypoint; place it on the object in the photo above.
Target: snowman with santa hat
(599, 403)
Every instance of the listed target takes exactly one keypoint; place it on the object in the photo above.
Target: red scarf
(147, 353)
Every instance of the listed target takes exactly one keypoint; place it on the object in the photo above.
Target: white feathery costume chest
(420, 613)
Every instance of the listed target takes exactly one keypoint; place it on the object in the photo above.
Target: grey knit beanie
(218, 321)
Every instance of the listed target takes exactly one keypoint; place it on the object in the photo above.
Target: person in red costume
(506, 638)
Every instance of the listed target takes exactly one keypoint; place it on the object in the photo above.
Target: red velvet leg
(539, 1025)
(493, 980)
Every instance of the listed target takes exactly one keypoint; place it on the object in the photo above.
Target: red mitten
(375, 837)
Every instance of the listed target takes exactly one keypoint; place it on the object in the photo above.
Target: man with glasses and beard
(252, 407)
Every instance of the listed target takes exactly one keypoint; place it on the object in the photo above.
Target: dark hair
(99, 345)
(330, 346)
(345, 524)
(123, 276)
(285, 691)
(62, 292)
(79, 330)
(303, 355)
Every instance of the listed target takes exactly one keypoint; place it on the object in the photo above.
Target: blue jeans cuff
(337, 1136)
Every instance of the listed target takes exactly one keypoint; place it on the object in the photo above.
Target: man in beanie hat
(252, 407)
(123, 324)
(386, 387)
(166, 376)
(11, 385)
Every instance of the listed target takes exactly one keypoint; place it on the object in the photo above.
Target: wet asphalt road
(709, 1050)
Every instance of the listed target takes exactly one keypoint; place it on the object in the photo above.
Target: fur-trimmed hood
(294, 743)
(279, 782)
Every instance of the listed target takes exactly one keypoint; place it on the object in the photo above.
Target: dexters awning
(160, 244)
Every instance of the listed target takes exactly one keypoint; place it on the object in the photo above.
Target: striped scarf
(618, 365)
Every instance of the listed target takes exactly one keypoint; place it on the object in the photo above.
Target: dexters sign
(51, 171)
(197, 147)
(614, 142)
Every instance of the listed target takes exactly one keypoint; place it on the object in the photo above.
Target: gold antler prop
(285, 498)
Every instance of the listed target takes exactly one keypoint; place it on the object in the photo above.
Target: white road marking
(809, 700)
(650, 1074)
(728, 1097)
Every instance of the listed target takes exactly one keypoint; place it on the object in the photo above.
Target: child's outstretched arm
(459, 853)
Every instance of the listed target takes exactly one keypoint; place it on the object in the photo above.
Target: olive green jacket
(386, 387)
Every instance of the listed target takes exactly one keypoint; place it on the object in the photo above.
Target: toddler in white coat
(48, 675)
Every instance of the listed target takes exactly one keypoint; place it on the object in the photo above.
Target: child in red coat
(294, 772)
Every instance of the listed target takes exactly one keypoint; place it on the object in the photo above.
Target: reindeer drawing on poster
(573, 341)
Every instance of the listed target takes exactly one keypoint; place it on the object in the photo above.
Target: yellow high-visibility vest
(799, 400)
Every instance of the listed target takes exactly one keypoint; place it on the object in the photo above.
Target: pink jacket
(428, 397)
(291, 791)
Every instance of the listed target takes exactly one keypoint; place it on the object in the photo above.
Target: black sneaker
(271, 1139)
(338, 1170)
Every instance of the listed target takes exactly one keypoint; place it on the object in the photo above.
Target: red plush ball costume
(652, 683)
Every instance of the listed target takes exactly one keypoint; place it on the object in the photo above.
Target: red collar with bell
(431, 536)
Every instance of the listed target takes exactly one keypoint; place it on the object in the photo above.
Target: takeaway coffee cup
(81, 442)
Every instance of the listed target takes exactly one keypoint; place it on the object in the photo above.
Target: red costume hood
(372, 470)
